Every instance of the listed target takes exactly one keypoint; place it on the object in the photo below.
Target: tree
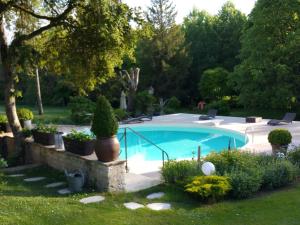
(85, 28)
(268, 76)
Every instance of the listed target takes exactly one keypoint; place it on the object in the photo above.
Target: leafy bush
(280, 137)
(244, 183)
(3, 119)
(173, 103)
(294, 156)
(178, 172)
(81, 109)
(120, 114)
(52, 129)
(222, 106)
(26, 133)
(79, 136)
(3, 163)
(278, 173)
(104, 122)
(144, 102)
(25, 114)
(209, 187)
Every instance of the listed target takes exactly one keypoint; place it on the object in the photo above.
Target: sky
(184, 7)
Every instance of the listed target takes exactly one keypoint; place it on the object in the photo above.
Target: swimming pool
(179, 142)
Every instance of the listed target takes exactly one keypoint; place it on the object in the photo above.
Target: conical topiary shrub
(105, 127)
(104, 122)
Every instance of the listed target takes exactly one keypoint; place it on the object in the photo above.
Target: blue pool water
(178, 142)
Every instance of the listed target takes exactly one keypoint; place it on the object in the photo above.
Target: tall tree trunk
(9, 89)
(38, 92)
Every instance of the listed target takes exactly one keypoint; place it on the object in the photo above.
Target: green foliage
(25, 114)
(43, 128)
(79, 136)
(3, 119)
(3, 163)
(173, 103)
(222, 106)
(26, 133)
(104, 122)
(121, 114)
(244, 182)
(209, 187)
(179, 172)
(278, 173)
(280, 137)
(144, 102)
(213, 84)
(294, 156)
(268, 76)
(82, 110)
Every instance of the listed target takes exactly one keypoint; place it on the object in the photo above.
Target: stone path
(54, 185)
(155, 195)
(159, 206)
(92, 199)
(16, 175)
(34, 179)
(64, 191)
(133, 205)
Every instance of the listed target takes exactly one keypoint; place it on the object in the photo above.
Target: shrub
(178, 172)
(25, 114)
(120, 114)
(104, 122)
(81, 109)
(210, 188)
(280, 137)
(3, 163)
(244, 183)
(3, 119)
(52, 129)
(294, 156)
(144, 102)
(278, 173)
(222, 106)
(79, 136)
(173, 103)
(26, 133)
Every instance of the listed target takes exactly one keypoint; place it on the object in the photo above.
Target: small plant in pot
(25, 116)
(45, 134)
(4, 125)
(105, 127)
(279, 139)
(79, 143)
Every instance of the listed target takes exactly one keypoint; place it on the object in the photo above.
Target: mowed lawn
(24, 203)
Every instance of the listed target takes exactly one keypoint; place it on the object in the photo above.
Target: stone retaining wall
(108, 177)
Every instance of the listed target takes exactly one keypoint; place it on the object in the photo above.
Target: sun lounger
(211, 114)
(139, 119)
(288, 118)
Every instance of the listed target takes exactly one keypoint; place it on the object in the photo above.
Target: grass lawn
(23, 203)
(55, 115)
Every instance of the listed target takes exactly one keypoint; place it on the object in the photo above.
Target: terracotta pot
(279, 148)
(82, 148)
(107, 149)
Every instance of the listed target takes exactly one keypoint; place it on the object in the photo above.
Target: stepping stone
(64, 191)
(93, 199)
(16, 175)
(155, 195)
(54, 185)
(133, 205)
(34, 179)
(159, 206)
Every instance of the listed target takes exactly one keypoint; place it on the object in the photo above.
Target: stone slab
(133, 205)
(155, 195)
(159, 206)
(92, 199)
(54, 185)
(64, 191)
(16, 175)
(34, 179)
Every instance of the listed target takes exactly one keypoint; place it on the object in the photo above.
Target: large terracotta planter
(279, 148)
(107, 149)
(82, 148)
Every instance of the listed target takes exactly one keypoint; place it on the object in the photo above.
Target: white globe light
(208, 168)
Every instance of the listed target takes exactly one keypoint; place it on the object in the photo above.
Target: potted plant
(45, 134)
(105, 127)
(25, 116)
(279, 139)
(79, 143)
(4, 125)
